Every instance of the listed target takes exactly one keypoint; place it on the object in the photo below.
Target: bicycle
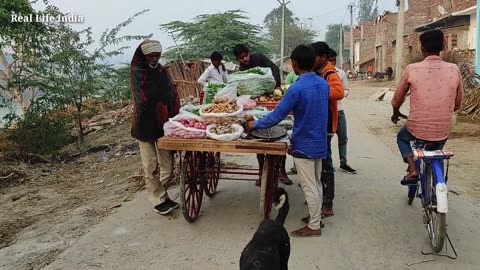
(432, 189)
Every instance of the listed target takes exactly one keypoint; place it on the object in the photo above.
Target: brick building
(457, 18)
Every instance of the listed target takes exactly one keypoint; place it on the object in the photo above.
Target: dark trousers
(328, 177)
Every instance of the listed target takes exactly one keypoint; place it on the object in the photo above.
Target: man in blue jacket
(308, 99)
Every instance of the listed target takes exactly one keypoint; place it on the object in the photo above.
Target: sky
(102, 14)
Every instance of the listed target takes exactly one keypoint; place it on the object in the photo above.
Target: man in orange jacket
(327, 71)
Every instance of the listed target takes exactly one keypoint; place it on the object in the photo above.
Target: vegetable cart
(201, 169)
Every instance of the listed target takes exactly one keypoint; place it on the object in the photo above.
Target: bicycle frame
(435, 165)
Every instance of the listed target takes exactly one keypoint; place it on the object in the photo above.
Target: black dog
(269, 248)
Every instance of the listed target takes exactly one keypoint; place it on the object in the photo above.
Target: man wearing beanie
(155, 100)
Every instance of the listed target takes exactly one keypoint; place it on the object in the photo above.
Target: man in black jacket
(248, 61)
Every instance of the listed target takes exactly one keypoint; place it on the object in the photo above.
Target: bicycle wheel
(436, 222)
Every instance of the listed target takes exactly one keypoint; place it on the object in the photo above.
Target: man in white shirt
(342, 120)
(215, 73)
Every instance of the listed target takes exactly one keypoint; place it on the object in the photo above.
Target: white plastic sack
(189, 108)
(229, 91)
(174, 129)
(253, 84)
(225, 137)
(247, 102)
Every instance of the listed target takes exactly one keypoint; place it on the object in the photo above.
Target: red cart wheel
(191, 187)
(272, 183)
(212, 164)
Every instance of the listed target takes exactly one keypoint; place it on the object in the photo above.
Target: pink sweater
(436, 92)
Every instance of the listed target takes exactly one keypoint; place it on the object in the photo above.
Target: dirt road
(373, 227)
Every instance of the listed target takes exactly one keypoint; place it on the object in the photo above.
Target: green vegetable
(211, 91)
(252, 70)
(194, 111)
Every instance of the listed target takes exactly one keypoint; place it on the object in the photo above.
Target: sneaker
(346, 168)
(173, 204)
(163, 208)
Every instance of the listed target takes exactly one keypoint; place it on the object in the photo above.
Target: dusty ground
(464, 141)
(46, 211)
(77, 215)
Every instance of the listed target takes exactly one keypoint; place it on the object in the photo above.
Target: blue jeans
(404, 137)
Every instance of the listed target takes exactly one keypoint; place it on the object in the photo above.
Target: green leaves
(213, 32)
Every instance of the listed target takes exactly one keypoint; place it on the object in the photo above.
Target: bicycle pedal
(404, 182)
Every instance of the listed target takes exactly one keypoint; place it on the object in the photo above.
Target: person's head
(432, 42)
(152, 49)
(216, 59)
(332, 56)
(242, 53)
(303, 59)
(321, 52)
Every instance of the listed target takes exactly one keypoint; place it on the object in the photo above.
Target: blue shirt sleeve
(285, 106)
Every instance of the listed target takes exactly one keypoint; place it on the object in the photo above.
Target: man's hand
(397, 115)
(223, 67)
(250, 125)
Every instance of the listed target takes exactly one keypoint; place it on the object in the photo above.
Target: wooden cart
(201, 169)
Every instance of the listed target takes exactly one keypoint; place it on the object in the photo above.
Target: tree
(367, 11)
(24, 47)
(213, 32)
(296, 31)
(75, 72)
(332, 38)
(116, 84)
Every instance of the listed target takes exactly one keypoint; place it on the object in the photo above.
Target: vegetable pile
(211, 90)
(253, 82)
(252, 71)
(193, 124)
(222, 129)
(268, 98)
(222, 105)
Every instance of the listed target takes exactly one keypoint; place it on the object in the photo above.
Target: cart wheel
(272, 182)
(212, 163)
(191, 187)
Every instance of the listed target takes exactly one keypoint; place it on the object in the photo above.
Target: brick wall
(378, 38)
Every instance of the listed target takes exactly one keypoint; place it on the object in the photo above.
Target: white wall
(472, 32)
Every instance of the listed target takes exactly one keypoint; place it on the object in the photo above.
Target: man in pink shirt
(436, 92)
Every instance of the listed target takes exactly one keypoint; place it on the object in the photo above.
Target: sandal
(306, 232)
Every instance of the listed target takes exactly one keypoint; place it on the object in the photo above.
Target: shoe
(306, 220)
(346, 168)
(306, 232)
(327, 213)
(286, 181)
(173, 204)
(163, 208)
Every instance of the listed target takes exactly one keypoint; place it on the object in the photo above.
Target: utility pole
(477, 43)
(352, 50)
(340, 49)
(282, 45)
(399, 41)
